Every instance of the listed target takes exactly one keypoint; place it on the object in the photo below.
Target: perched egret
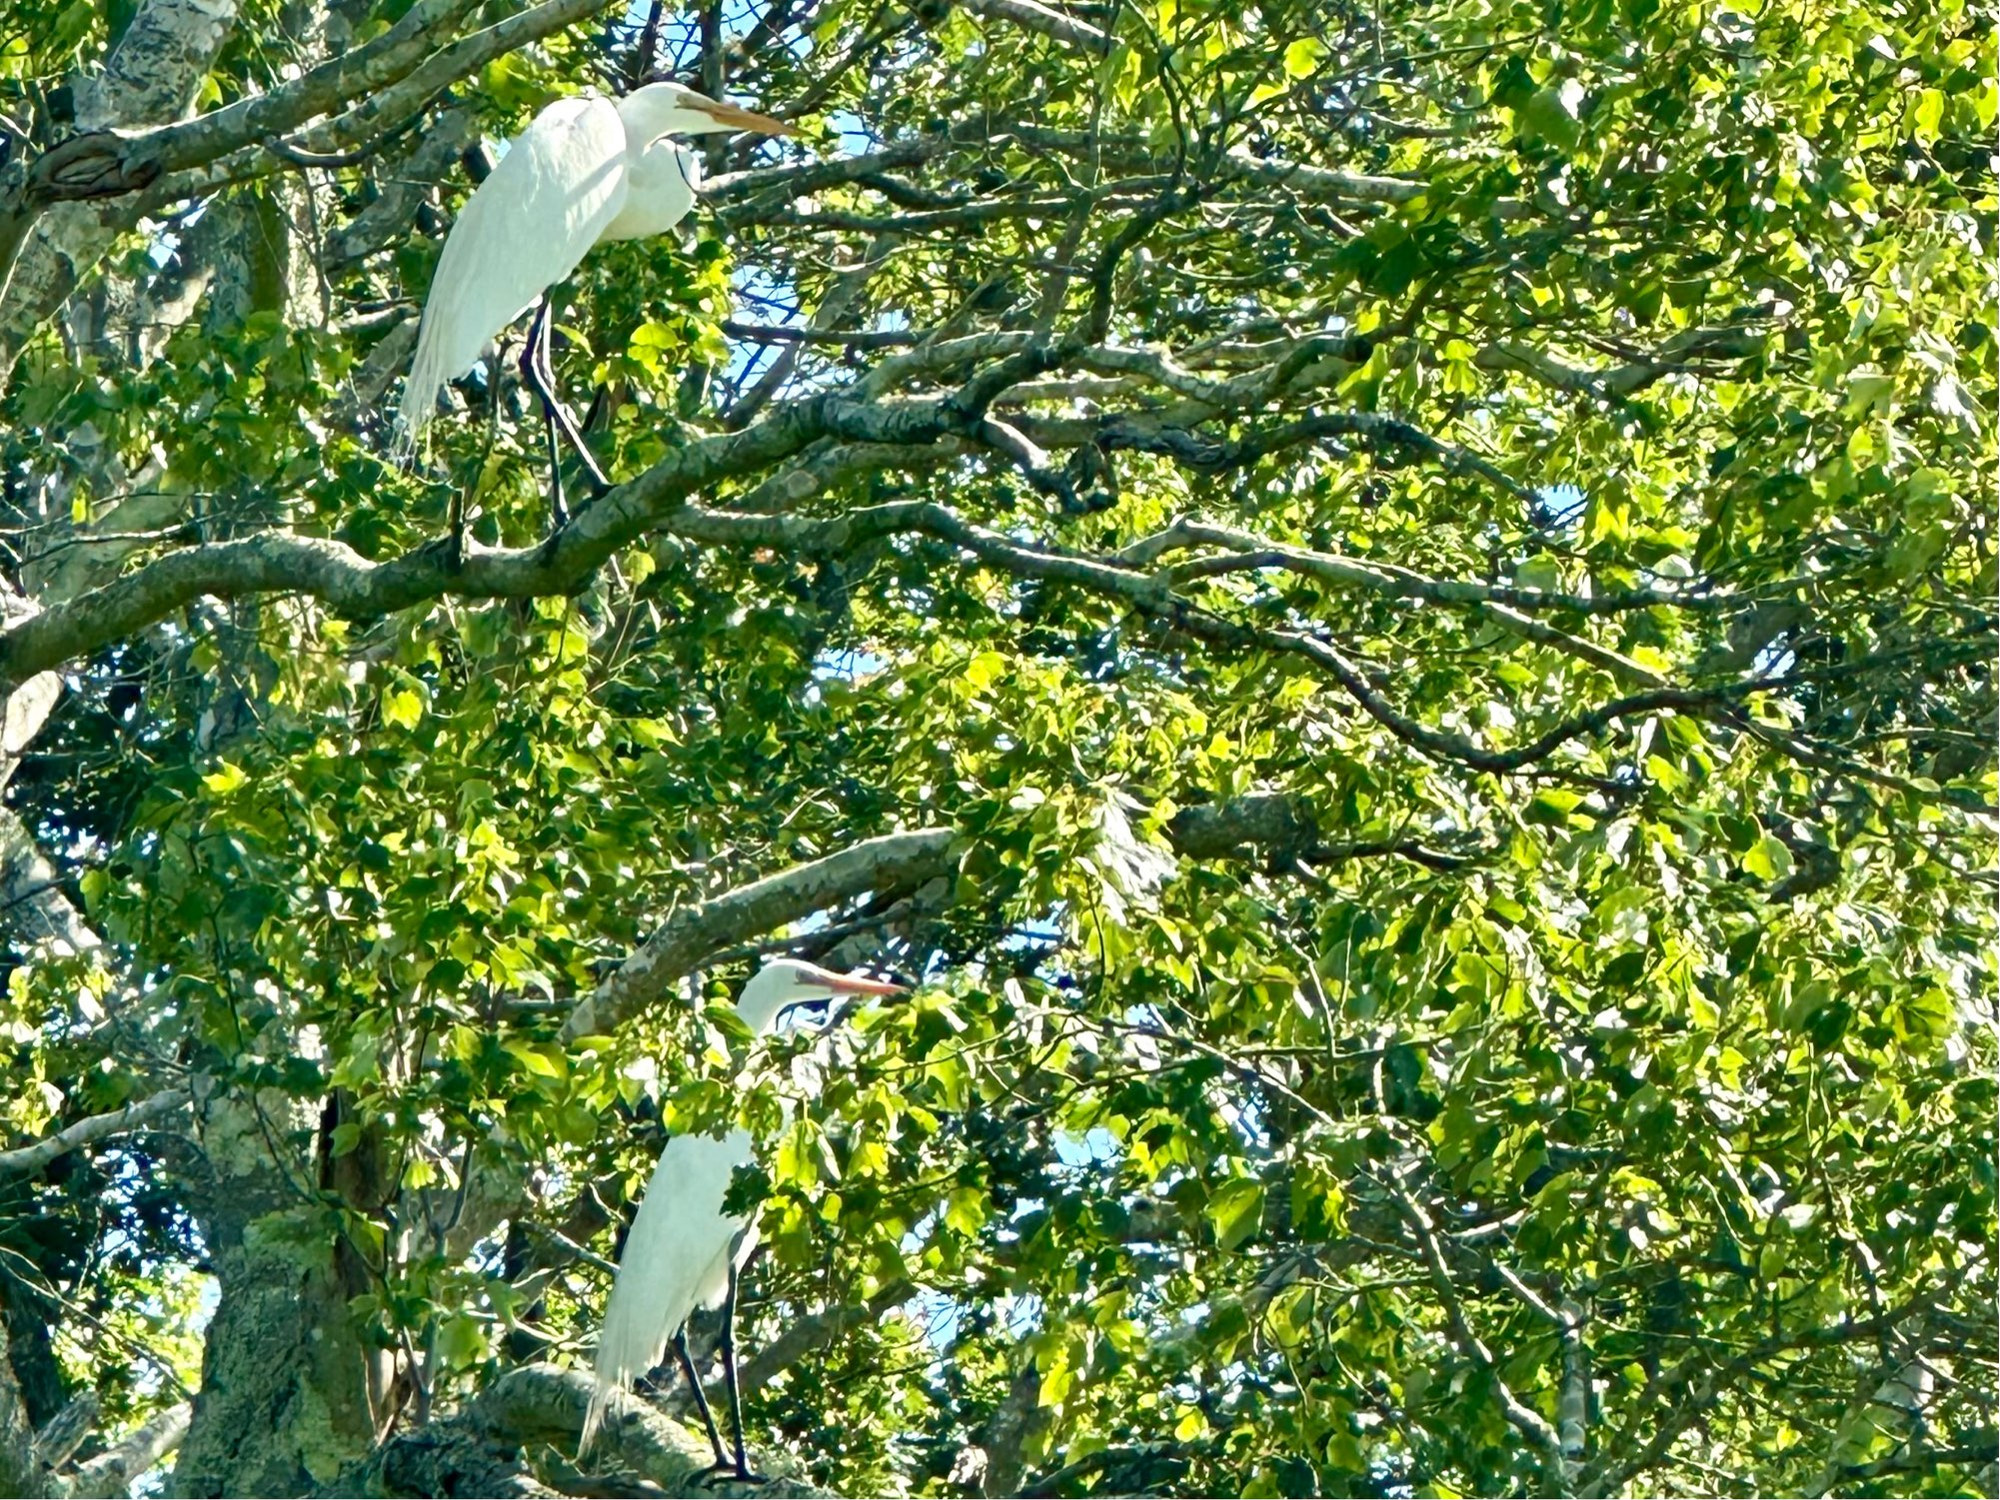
(586, 170)
(683, 1251)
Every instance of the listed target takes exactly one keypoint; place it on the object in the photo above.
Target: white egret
(683, 1250)
(586, 170)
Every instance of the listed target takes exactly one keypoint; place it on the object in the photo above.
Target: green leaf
(1302, 58)
(402, 708)
(1236, 1210)
(226, 779)
(985, 669)
(798, 1156)
(461, 1342)
(1927, 116)
(543, 1064)
(1768, 859)
(1055, 1386)
(1551, 115)
(966, 1211)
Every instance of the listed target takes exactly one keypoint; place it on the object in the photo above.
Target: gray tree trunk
(283, 1404)
(20, 1473)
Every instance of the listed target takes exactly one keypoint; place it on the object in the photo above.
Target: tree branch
(1320, 182)
(476, 1452)
(1388, 579)
(1531, 1423)
(95, 1128)
(110, 163)
(1036, 17)
(892, 861)
(114, 1471)
(901, 861)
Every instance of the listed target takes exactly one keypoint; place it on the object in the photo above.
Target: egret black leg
(700, 1397)
(743, 1474)
(454, 531)
(539, 371)
(563, 419)
(533, 358)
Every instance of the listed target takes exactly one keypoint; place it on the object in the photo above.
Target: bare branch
(846, 287)
(113, 1472)
(1531, 1423)
(1321, 182)
(95, 1128)
(892, 861)
(776, 333)
(1398, 582)
(1037, 17)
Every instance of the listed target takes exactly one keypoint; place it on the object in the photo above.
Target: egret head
(786, 983)
(659, 109)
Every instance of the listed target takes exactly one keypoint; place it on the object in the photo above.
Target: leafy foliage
(1587, 1087)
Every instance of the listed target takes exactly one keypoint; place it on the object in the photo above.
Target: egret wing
(524, 228)
(677, 1241)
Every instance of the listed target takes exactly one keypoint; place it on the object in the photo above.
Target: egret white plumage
(587, 170)
(683, 1250)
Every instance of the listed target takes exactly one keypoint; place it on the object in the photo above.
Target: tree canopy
(1389, 609)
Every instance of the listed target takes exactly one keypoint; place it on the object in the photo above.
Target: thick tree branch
(387, 108)
(388, 218)
(95, 1128)
(333, 572)
(478, 1451)
(1320, 182)
(1284, 830)
(901, 861)
(394, 75)
(108, 163)
(1036, 17)
(892, 861)
(20, 1473)
(152, 76)
(114, 1471)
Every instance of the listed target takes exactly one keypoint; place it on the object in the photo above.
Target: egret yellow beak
(854, 984)
(736, 118)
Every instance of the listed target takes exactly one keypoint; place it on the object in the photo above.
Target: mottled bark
(150, 79)
(283, 1403)
(1011, 1435)
(113, 1472)
(94, 1128)
(476, 1452)
(39, 917)
(407, 182)
(20, 1474)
